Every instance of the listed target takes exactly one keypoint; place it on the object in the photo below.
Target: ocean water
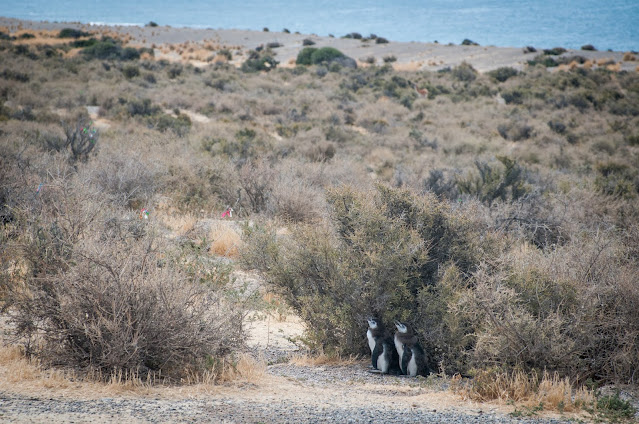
(611, 24)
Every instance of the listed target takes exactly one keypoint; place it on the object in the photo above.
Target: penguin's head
(401, 327)
(372, 323)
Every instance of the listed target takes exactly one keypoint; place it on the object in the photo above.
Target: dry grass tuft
(549, 390)
(181, 224)
(225, 241)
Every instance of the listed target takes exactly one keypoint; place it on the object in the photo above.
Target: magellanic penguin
(412, 360)
(382, 353)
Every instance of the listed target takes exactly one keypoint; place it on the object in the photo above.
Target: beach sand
(201, 46)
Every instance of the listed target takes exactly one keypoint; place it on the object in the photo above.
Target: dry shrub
(572, 310)
(246, 368)
(152, 320)
(129, 180)
(225, 240)
(379, 251)
(293, 197)
(102, 294)
(547, 389)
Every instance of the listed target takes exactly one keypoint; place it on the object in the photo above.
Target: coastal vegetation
(497, 213)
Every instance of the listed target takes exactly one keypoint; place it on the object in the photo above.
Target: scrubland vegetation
(498, 215)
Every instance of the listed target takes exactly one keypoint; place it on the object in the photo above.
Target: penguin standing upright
(382, 352)
(375, 335)
(412, 360)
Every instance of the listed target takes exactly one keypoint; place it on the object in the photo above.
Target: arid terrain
(195, 225)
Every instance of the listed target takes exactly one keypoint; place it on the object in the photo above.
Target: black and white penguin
(412, 360)
(382, 351)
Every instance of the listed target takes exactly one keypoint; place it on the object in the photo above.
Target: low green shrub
(616, 179)
(102, 50)
(506, 182)
(515, 131)
(109, 49)
(131, 71)
(72, 33)
(141, 107)
(503, 74)
(464, 72)
(180, 125)
(14, 75)
(325, 55)
(263, 61)
(376, 256)
(556, 51)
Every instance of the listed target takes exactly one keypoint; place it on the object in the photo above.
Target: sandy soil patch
(197, 45)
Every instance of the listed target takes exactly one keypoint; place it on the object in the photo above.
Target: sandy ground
(199, 46)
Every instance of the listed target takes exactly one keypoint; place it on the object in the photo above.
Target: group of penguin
(399, 355)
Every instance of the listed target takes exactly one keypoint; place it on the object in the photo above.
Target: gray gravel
(37, 410)
(297, 407)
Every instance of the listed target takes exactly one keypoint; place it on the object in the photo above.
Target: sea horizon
(543, 23)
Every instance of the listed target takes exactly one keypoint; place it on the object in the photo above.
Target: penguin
(412, 360)
(381, 346)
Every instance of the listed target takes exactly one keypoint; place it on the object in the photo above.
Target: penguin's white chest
(371, 340)
(412, 366)
(400, 349)
(383, 362)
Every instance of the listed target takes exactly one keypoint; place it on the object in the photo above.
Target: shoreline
(198, 46)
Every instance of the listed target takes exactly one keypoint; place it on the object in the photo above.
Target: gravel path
(15, 408)
(287, 394)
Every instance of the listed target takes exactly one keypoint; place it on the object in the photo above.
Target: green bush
(180, 125)
(556, 51)
(131, 71)
(304, 56)
(464, 72)
(503, 74)
(377, 255)
(72, 33)
(142, 107)
(325, 55)
(506, 183)
(103, 50)
(111, 50)
(467, 42)
(263, 61)
(616, 179)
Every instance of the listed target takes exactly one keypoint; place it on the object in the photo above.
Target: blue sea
(610, 24)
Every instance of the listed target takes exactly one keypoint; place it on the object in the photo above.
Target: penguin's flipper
(406, 359)
(379, 349)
